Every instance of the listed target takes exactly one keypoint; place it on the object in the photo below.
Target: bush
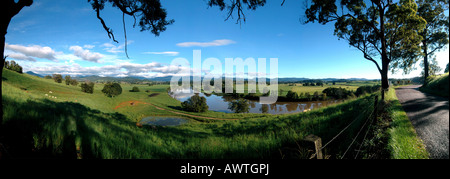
(112, 89)
(239, 106)
(135, 89)
(47, 77)
(87, 87)
(337, 93)
(367, 89)
(68, 79)
(195, 103)
(57, 77)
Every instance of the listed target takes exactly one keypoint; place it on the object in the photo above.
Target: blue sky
(66, 37)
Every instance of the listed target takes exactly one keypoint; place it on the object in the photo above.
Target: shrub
(112, 89)
(195, 103)
(57, 77)
(87, 87)
(337, 93)
(239, 106)
(135, 89)
(67, 79)
(47, 77)
(292, 95)
(73, 82)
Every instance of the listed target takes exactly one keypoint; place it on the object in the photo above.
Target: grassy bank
(438, 85)
(80, 125)
(403, 142)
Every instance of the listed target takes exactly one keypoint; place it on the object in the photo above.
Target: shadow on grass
(48, 129)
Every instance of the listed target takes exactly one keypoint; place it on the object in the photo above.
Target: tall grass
(438, 85)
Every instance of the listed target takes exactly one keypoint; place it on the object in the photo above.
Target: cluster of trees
(87, 87)
(313, 84)
(12, 65)
(294, 96)
(112, 89)
(195, 103)
(70, 81)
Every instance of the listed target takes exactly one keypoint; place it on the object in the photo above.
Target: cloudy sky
(66, 37)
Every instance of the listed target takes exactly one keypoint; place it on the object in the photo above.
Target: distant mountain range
(133, 79)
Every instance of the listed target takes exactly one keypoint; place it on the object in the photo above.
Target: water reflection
(220, 103)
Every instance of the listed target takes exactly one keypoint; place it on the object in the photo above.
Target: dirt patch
(129, 103)
(153, 95)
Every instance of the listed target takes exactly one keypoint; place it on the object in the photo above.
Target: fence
(318, 141)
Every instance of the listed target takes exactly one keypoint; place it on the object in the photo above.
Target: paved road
(429, 115)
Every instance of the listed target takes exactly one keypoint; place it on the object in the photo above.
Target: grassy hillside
(438, 85)
(81, 125)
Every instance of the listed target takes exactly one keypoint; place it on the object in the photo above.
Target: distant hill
(34, 74)
(136, 79)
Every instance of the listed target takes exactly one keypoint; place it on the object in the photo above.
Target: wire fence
(369, 120)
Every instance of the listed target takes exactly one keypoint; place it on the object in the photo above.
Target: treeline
(12, 65)
(329, 93)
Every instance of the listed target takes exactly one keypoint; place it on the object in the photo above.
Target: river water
(220, 103)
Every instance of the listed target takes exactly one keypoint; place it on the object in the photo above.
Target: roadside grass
(403, 142)
(437, 85)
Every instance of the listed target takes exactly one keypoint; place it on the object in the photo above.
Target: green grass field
(81, 125)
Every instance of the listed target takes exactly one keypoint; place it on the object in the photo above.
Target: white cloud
(109, 47)
(206, 44)
(86, 54)
(33, 51)
(148, 70)
(169, 53)
(19, 56)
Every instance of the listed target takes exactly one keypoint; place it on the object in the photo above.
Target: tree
(112, 89)
(135, 89)
(239, 106)
(87, 87)
(195, 103)
(435, 35)
(433, 69)
(380, 29)
(73, 82)
(67, 79)
(57, 77)
(292, 95)
(446, 69)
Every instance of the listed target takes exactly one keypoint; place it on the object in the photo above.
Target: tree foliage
(239, 106)
(436, 33)
(195, 103)
(57, 78)
(380, 29)
(12, 65)
(112, 89)
(87, 87)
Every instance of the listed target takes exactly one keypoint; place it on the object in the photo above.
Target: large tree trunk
(425, 60)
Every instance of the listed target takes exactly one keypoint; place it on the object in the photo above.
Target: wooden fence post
(317, 144)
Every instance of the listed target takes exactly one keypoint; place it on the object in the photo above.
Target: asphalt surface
(429, 115)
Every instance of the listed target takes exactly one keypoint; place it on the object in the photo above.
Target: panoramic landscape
(225, 79)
